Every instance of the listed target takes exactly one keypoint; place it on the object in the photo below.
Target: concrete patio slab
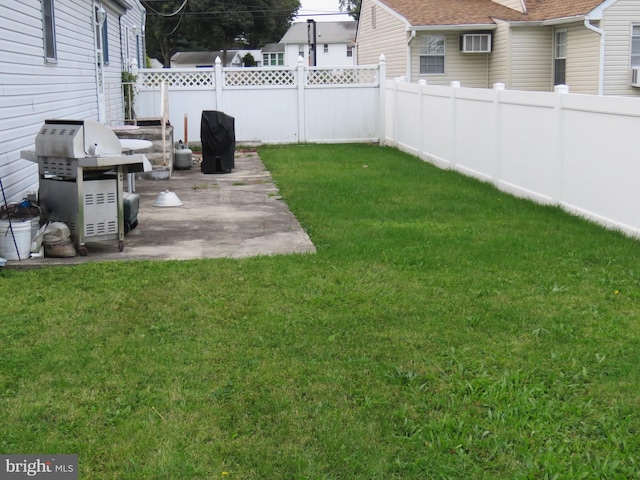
(233, 215)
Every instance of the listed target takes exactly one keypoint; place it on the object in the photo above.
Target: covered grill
(217, 133)
(81, 168)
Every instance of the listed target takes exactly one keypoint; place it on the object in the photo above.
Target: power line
(260, 12)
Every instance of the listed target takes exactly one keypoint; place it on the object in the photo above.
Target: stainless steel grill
(81, 168)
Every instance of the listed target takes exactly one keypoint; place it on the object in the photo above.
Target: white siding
(291, 53)
(583, 54)
(617, 22)
(335, 56)
(470, 69)
(32, 91)
(388, 37)
(532, 59)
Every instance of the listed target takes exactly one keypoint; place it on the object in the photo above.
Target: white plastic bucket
(21, 232)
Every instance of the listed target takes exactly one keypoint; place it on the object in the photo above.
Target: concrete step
(153, 134)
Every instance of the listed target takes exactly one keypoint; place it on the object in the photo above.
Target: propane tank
(182, 157)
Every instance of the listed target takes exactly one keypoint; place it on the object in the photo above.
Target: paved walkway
(237, 214)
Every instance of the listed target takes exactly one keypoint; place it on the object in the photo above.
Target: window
(635, 46)
(560, 58)
(272, 59)
(349, 51)
(432, 54)
(326, 48)
(49, 29)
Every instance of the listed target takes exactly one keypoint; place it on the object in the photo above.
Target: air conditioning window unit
(635, 76)
(475, 43)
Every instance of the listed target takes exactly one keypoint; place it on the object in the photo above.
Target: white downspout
(599, 31)
(411, 37)
(523, 6)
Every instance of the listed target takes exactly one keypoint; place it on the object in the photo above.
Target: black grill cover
(218, 137)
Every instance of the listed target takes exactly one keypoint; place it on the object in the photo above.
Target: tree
(163, 21)
(215, 24)
(248, 60)
(352, 7)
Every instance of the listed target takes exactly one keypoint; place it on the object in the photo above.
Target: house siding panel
(583, 53)
(499, 64)
(616, 23)
(532, 59)
(113, 70)
(32, 91)
(389, 37)
(336, 55)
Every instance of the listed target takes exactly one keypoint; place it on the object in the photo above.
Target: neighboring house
(234, 58)
(335, 43)
(590, 45)
(61, 59)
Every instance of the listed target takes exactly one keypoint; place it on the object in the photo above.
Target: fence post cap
(498, 86)
(218, 61)
(561, 89)
(382, 58)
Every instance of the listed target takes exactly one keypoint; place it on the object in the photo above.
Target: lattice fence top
(342, 76)
(177, 78)
(254, 77)
(246, 77)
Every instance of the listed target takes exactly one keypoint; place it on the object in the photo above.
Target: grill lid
(76, 139)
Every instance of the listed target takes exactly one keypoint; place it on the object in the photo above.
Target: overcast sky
(318, 10)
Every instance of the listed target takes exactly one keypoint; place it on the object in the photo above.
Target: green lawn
(443, 330)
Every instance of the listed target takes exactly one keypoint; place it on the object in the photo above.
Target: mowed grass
(444, 329)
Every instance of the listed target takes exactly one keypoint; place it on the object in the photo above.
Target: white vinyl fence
(271, 104)
(576, 151)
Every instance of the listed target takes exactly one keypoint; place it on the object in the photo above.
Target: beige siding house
(590, 45)
(386, 33)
